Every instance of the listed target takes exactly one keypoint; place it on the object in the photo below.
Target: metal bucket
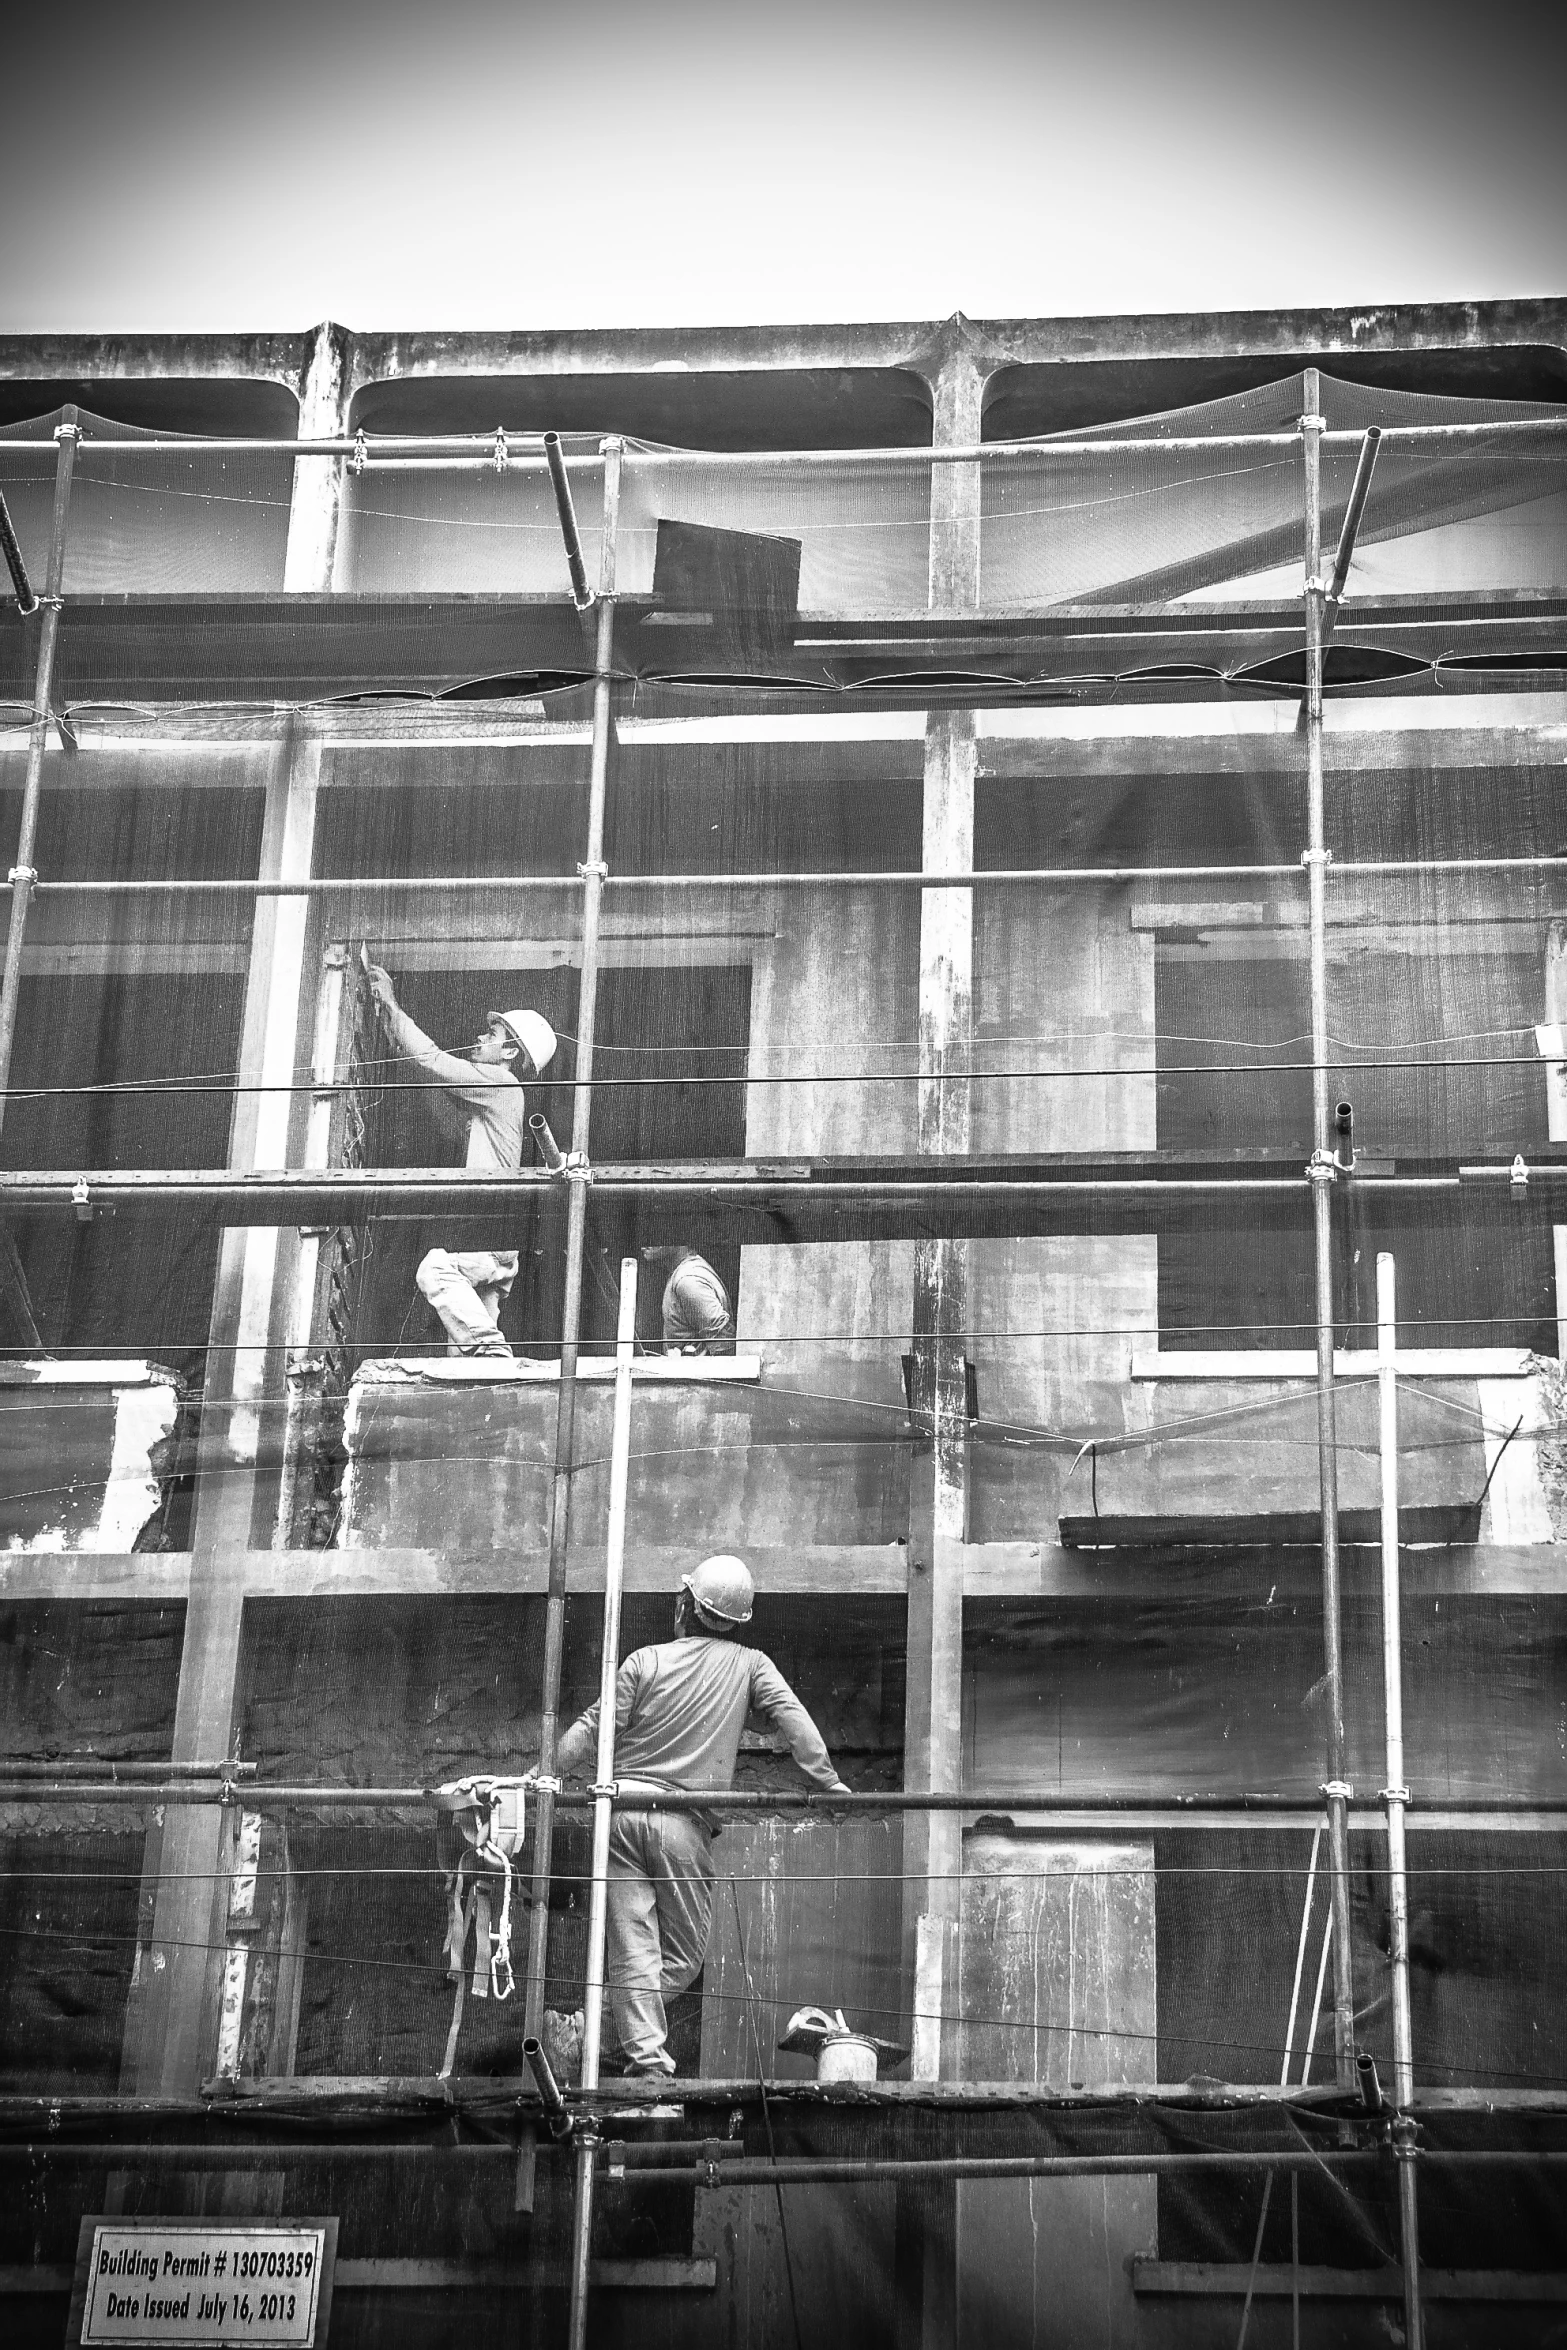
(846, 2057)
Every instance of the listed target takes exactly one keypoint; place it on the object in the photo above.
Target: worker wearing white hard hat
(484, 1087)
(680, 1707)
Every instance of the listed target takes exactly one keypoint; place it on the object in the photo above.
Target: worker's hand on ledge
(379, 980)
(833, 1812)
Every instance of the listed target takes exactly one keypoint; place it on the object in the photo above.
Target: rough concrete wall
(1064, 982)
(1059, 1987)
(75, 1680)
(437, 1466)
(1247, 1451)
(85, 1462)
(834, 1000)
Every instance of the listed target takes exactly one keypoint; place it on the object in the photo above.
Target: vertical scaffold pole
(1395, 1795)
(592, 870)
(598, 1900)
(22, 873)
(1322, 1176)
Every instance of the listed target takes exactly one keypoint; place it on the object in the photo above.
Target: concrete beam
(1387, 329)
(1032, 1572)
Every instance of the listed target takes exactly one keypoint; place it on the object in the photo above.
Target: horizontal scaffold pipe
(104, 1767)
(524, 452)
(305, 1195)
(293, 1195)
(1045, 1802)
(851, 2171)
(907, 877)
(433, 884)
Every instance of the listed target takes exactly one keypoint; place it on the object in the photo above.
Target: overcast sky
(466, 164)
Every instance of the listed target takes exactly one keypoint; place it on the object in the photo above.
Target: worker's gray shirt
(679, 1710)
(496, 1107)
(696, 1306)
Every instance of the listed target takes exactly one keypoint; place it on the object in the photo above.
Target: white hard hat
(722, 1587)
(532, 1031)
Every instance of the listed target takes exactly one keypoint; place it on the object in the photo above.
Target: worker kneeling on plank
(482, 1089)
(697, 1317)
(680, 1707)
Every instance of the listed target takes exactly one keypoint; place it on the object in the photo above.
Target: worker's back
(681, 1705)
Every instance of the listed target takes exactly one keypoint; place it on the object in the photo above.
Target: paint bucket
(846, 2057)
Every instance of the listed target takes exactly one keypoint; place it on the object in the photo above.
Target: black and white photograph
(783, 1176)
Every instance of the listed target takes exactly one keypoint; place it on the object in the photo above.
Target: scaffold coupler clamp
(1322, 857)
(361, 456)
(1337, 1791)
(1518, 1174)
(712, 2154)
(594, 869)
(608, 1790)
(22, 873)
(577, 1167)
(81, 1200)
(545, 1785)
(1323, 1167)
(502, 452)
(1394, 1795)
(1404, 2137)
(67, 432)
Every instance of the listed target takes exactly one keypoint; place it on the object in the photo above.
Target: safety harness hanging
(479, 1832)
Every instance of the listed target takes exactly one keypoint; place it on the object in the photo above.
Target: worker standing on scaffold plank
(697, 1318)
(466, 1286)
(680, 1707)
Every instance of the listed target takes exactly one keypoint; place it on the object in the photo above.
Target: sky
(469, 165)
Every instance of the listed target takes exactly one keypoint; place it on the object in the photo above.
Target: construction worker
(680, 1707)
(466, 1286)
(697, 1316)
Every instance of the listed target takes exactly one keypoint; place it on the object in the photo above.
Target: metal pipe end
(554, 1157)
(548, 2087)
(1370, 2086)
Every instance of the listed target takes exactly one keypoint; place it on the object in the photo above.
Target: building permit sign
(203, 2282)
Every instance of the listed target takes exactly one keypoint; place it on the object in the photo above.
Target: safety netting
(1129, 558)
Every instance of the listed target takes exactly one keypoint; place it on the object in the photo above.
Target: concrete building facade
(964, 904)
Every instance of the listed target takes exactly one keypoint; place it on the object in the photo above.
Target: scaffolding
(936, 1195)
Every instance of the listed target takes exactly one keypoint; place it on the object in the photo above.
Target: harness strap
(481, 1942)
(449, 2059)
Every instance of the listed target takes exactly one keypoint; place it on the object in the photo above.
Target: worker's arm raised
(461, 1076)
(772, 1697)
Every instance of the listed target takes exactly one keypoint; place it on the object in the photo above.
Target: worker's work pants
(466, 1287)
(660, 1912)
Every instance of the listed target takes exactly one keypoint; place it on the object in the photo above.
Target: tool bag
(480, 1822)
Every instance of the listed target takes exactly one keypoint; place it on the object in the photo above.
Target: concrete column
(172, 2025)
(318, 481)
(957, 398)
(938, 1510)
(172, 2028)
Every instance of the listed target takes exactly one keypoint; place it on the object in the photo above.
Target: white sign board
(204, 2282)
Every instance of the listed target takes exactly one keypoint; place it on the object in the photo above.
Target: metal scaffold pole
(598, 1899)
(1336, 1789)
(23, 876)
(593, 874)
(1395, 1795)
